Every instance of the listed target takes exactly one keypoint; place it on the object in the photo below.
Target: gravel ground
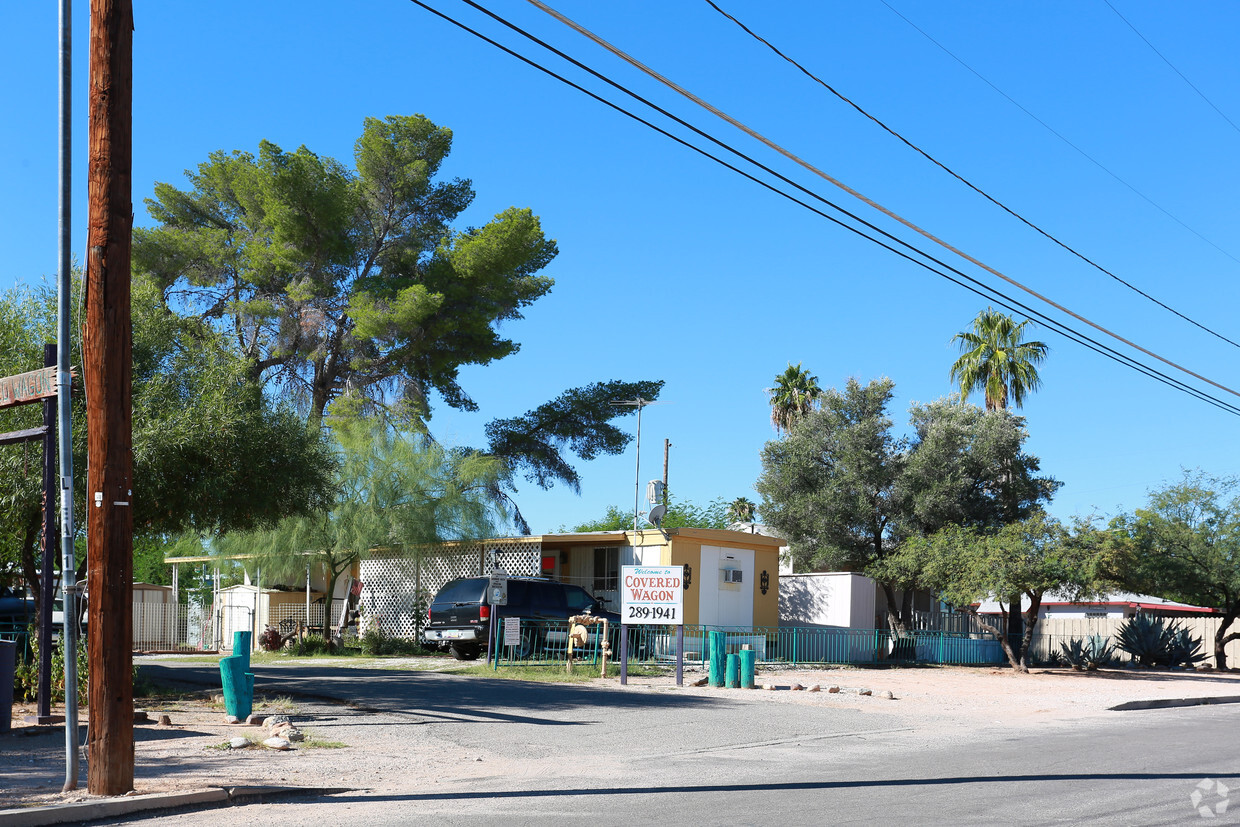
(348, 747)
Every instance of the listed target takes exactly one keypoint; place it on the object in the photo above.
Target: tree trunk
(1015, 626)
(1221, 638)
(1030, 624)
(998, 634)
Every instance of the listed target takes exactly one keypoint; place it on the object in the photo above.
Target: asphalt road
(584, 755)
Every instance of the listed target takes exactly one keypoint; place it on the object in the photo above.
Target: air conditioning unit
(731, 575)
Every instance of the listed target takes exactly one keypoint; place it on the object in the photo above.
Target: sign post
(497, 595)
(652, 596)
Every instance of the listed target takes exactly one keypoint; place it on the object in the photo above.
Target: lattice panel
(518, 559)
(389, 595)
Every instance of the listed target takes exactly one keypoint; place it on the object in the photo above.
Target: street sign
(652, 595)
(512, 631)
(28, 387)
(498, 588)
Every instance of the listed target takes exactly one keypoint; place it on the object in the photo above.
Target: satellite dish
(656, 515)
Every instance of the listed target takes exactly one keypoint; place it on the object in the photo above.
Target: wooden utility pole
(108, 369)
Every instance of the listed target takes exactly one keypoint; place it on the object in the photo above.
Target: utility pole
(667, 444)
(108, 368)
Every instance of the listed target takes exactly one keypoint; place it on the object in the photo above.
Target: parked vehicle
(459, 619)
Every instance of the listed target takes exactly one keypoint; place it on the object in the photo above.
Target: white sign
(652, 595)
(512, 631)
(499, 588)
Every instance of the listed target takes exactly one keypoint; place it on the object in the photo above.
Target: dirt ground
(190, 753)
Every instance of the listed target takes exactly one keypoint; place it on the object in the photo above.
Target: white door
(722, 600)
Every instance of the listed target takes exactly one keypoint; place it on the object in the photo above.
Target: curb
(84, 811)
(1171, 703)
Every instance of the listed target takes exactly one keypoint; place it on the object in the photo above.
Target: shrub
(375, 642)
(26, 676)
(1152, 641)
(270, 639)
(1086, 655)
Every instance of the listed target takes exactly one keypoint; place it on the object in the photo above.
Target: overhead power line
(964, 180)
(1183, 77)
(962, 279)
(855, 193)
(1058, 135)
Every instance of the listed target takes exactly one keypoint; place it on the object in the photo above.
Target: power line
(1183, 77)
(1051, 130)
(963, 180)
(856, 194)
(973, 285)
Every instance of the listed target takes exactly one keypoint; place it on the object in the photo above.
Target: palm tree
(741, 510)
(995, 359)
(795, 394)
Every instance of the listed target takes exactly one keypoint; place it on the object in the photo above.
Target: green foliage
(1185, 546)
(375, 643)
(996, 360)
(26, 675)
(742, 510)
(795, 394)
(680, 514)
(1087, 654)
(845, 491)
(1152, 641)
(394, 491)
(334, 281)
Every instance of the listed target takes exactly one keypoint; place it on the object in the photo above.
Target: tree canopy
(966, 565)
(795, 394)
(846, 491)
(1186, 547)
(336, 281)
(680, 514)
(996, 359)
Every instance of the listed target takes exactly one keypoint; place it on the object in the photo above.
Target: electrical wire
(973, 285)
(858, 195)
(1051, 130)
(964, 180)
(1183, 77)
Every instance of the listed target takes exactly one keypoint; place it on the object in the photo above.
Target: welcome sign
(27, 387)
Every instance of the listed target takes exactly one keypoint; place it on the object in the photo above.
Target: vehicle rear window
(469, 590)
(578, 599)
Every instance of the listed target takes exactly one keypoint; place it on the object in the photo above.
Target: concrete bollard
(748, 660)
(734, 670)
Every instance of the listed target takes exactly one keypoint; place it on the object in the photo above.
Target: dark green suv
(459, 619)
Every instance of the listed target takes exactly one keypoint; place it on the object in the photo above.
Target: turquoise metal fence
(546, 642)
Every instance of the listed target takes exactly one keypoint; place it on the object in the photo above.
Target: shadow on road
(432, 695)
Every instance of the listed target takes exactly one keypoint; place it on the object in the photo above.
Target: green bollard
(748, 658)
(237, 679)
(718, 647)
(734, 670)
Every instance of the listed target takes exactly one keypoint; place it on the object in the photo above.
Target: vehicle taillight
(484, 612)
(428, 615)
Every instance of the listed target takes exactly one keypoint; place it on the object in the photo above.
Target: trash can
(8, 668)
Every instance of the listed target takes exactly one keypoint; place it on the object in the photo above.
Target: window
(606, 569)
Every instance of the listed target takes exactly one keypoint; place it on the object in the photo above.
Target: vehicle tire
(464, 652)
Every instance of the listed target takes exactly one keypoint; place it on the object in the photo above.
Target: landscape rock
(272, 720)
(140, 717)
(888, 695)
(231, 719)
(796, 687)
(254, 719)
(219, 699)
(768, 686)
(164, 720)
(816, 688)
(239, 743)
(278, 743)
(864, 692)
(295, 735)
(700, 682)
(834, 690)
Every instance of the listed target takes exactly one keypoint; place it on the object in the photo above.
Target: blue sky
(672, 267)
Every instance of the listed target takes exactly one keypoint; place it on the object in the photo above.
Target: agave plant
(1087, 654)
(1153, 642)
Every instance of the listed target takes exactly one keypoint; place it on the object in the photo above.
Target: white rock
(796, 687)
(768, 686)
(816, 688)
(239, 743)
(278, 743)
(888, 695)
(231, 719)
